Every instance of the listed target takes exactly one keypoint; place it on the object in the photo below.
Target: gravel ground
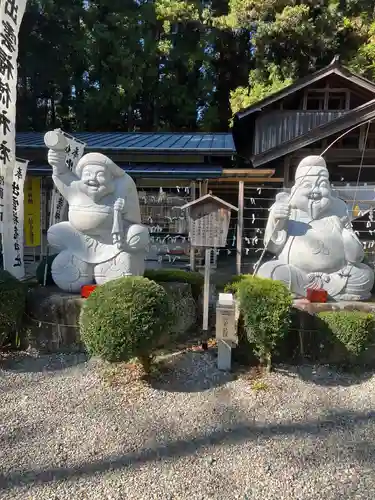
(196, 433)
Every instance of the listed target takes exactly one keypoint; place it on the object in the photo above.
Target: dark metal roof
(157, 171)
(197, 143)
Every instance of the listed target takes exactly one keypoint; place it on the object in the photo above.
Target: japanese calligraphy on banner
(32, 224)
(11, 13)
(2, 184)
(13, 239)
(59, 205)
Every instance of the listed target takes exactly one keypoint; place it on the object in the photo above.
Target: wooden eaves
(355, 117)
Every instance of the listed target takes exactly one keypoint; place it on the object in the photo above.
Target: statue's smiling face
(313, 195)
(96, 181)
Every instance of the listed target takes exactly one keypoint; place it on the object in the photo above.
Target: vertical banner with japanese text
(32, 217)
(59, 205)
(13, 241)
(11, 13)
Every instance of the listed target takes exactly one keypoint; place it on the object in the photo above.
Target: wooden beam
(286, 170)
(251, 172)
(247, 180)
(335, 153)
(141, 182)
(192, 249)
(241, 197)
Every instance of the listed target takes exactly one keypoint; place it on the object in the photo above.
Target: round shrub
(349, 332)
(232, 286)
(266, 308)
(126, 318)
(12, 305)
(40, 270)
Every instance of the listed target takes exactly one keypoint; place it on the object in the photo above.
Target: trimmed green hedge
(126, 318)
(232, 286)
(12, 305)
(265, 306)
(348, 332)
(195, 279)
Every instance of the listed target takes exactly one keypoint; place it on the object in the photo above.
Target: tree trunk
(146, 362)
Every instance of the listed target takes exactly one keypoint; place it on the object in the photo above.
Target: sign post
(226, 330)
(208, 219)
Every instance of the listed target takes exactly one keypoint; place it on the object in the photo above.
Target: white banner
(13, 243)
(59, 206)
(11, 13)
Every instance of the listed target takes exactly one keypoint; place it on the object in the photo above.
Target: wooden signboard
(208, 220)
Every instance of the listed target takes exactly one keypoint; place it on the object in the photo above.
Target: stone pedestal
(53, 320)
(54, 316)
(308, 329)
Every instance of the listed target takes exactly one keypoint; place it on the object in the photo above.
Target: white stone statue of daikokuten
(103, 238)
(310, 233)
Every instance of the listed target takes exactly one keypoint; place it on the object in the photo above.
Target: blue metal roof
(157, 171)
(198, 143)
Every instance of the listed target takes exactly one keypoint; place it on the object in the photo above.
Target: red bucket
(317, 295)
(86, 290)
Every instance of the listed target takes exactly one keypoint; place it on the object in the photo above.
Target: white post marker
(226, 330)
(206, 289)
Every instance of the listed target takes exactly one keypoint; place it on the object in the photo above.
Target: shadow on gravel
(26, 363)
(19, 434)
(336, 422)
(190, 371)
(324, 375)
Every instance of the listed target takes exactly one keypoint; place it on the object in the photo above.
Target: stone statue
(103, 239)
(310, 233)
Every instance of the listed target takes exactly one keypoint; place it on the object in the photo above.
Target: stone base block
(54, 316)
(53, 320)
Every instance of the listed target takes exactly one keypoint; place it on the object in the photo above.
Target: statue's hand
(56, 158)
(119, 205)
(117, 239)
(345, 222)
(281, 211)
(324, 277)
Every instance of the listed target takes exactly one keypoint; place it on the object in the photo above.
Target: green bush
(232, 286)
(126, 318)
(12, 305)
(353, 330)
(195, 279)
(40, 270)
(265, 306)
